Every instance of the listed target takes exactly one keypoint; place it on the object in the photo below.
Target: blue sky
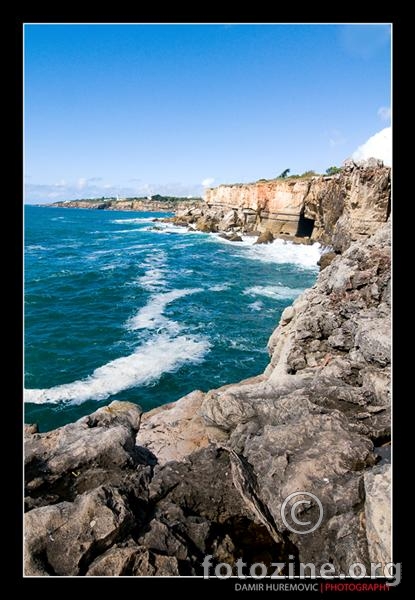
(146, 109)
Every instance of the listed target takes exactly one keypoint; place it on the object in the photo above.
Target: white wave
(151, 315)
(220, 287)
(281, 251)
(280, 292)
(256, 306)
(147, 364)
(135, 220)
(156, 258)
(152, 279)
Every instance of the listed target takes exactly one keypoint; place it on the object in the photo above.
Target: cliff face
(125, 493)
(333, 210)
(273, 205)
(350, 205)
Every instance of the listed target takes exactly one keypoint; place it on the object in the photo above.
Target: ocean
(119, 307)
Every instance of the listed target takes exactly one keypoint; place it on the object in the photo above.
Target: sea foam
(274, 291)
(161, 354)
(134, 220)
(151, 315)
(279, 251)
(283, 252)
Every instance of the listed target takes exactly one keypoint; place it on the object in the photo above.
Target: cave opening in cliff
(305, 226)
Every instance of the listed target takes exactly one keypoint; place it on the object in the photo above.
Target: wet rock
(266, 237)
(231, 237)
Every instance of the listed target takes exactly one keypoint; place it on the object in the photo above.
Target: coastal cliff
(124, 493)
(333, 210)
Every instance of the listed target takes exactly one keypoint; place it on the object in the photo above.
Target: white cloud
(384, 112)
(208, 181)
(377, 146)
(81, 183)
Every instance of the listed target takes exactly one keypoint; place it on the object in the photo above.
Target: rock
(62, 538)
(130, 559)
(83, 455)
(231, 237)
(199, 499)
(326, 259)
(287, 315)
(30, 429)
(378, 513)
(206, 225)
(117, 561)
(265, 237)
(374, 340)
(182, 222)
(228, 221)
(148, 563)
(173, 431)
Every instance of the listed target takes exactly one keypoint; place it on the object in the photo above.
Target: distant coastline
(155, 203)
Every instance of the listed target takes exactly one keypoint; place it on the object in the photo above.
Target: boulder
(61, 539)
(266, 237)
(326, 259)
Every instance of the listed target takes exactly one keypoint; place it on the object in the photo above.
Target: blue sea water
(115, 309)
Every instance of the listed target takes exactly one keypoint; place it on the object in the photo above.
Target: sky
(137, 110)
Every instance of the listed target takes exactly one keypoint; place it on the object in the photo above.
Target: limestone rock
(83, 455)
(62, 538)
(378, 513)
(173, 431)
(334, 210)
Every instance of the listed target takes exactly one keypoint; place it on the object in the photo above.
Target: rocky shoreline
(132, 204)
(124, 493)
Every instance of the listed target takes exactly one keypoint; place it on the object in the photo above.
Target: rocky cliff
(333, 210)
(125, 493)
